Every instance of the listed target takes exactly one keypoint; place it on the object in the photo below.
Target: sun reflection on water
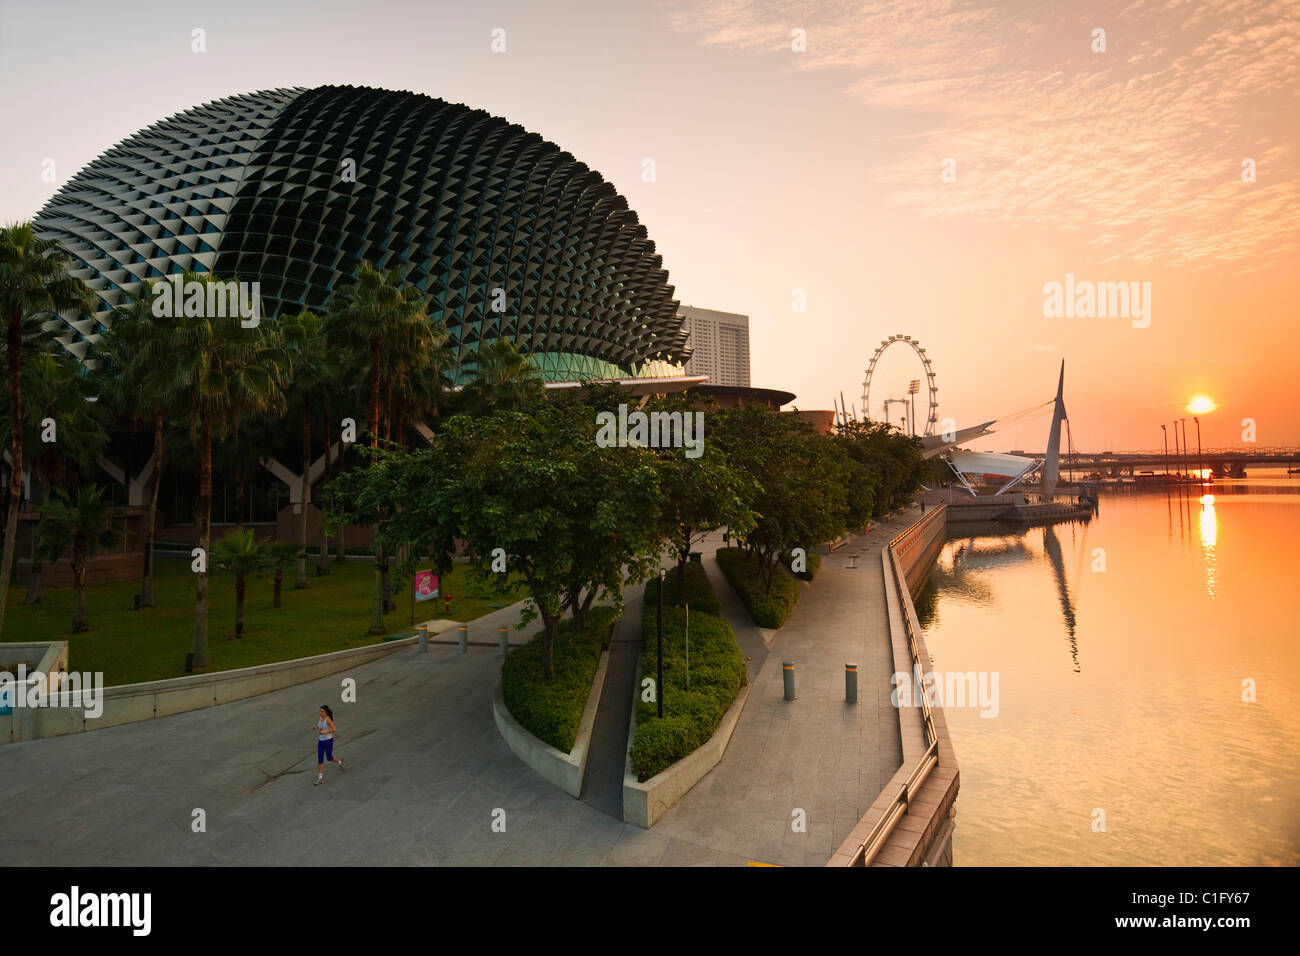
(1209, 539)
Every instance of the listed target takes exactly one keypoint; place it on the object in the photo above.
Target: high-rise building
(720, 345)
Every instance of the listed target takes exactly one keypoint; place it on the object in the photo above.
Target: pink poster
(426, 585)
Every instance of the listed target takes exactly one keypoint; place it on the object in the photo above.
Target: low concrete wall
(128, 703)
(644, 803)
(919, 545)
(565, 771)
(923, 835)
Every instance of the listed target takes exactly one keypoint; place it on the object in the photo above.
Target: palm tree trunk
(322, 566)
(34, 585)
(279, 582)
(14, 343)
(389, 605)
(342, 556)
(301, 583)
(203, 529)
(374, 391)
(151, 521)
(239, 606)
(79, 623)
(388, 412)
(377, 605)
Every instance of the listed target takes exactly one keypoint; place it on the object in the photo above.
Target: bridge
(1224, 462)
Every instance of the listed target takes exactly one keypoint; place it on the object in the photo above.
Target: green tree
(82, 524)
(34, 279)
(698, 494)
(218, 370)
(503, 377)
(800, 476)
(569, 516)
(64, 429)
(379, 313)
(120, 377)
(279, 555)
(886, 465)
(314, 375)
(240, 553)
(372, 313)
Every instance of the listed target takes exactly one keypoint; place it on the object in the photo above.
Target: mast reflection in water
(1128, 651)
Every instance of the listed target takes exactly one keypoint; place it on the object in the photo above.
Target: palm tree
(33, 279)
(242, 554)
(83, 524)
(381, 312)
(64, 429)
(371, 313)
(120, 375)
(217, 370)
(313, 377)
(278, 555)
(503, 378)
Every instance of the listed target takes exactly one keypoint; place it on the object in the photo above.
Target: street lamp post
(1200, 464)
(1165, 434)
(1186, 454)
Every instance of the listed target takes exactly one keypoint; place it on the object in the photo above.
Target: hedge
(699, 592)
(551, 711)
(690, 716)
(813, 560)
(767, 608)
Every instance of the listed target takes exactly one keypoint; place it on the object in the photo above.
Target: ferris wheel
(932, 416)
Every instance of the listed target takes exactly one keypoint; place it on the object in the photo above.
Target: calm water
(1121, 690)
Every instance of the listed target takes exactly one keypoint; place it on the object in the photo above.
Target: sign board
(426, 586)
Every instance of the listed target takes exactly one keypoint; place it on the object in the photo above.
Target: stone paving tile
(426, 767)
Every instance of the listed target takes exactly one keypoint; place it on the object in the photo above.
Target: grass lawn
(150, 644)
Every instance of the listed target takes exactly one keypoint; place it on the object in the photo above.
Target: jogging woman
(324, 728)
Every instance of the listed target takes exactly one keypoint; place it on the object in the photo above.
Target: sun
(1201, 404)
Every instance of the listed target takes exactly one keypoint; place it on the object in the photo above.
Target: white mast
(1051, 469)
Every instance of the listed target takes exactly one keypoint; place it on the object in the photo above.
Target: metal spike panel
(253, 187)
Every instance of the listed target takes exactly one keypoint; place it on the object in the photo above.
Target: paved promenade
(426, 768)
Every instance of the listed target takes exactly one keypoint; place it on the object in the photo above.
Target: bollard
(505, 641)
(462, 638)
(851, 683)
(787, 671)
(423, 631)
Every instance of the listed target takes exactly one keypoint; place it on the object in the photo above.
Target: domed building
(294, 188)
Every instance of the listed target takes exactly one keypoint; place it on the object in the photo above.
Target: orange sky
(820, 170)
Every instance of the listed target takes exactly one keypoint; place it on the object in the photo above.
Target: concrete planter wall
(565, 771)
(128, 703)
(644, 803)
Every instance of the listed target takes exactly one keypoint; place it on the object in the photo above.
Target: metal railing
(881, 830)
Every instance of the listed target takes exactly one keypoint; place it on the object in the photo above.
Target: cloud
(1139, 147)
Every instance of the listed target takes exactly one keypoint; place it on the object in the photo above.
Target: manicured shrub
(698, 592)
(812, 559)
(691, 715)
(767, 608)
(552, 710)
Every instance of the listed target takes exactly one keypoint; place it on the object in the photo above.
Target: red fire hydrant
(446, 604)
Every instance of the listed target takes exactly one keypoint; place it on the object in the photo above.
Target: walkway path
(427, 768)
(815, 753)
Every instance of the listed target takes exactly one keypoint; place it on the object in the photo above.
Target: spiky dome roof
(259, 187)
